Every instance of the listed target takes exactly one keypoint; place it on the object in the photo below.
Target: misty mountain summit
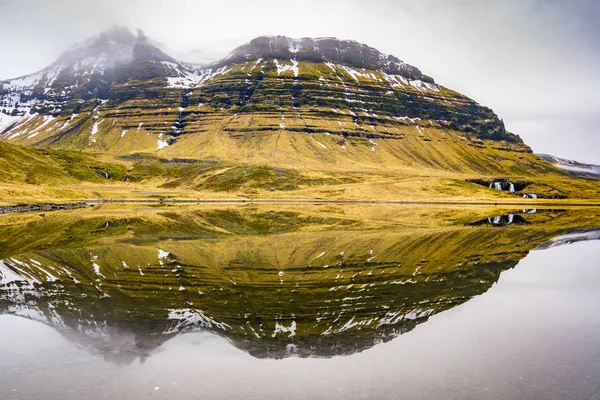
(109, 49)
(144, 50)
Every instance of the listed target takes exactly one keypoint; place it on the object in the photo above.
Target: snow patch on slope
(161, 144)
(189, 78)
(281, 68)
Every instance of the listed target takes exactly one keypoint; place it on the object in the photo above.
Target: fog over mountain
(533, 62)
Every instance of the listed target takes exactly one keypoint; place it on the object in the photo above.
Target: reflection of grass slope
(73, 229)
(69, 231)
(253, 269)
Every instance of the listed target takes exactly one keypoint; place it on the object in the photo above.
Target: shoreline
(40, 207)
(339, 201)
(73, 205)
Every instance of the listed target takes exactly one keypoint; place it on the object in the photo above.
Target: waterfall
(530, 196)
(498, 186)
(497, 220)
(511, 217)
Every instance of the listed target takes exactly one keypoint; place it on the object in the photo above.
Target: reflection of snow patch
(192, 318)
(402, 282)
(392, 318)
(162, 255)
(282, 329)
(8, 276)
(97, 269)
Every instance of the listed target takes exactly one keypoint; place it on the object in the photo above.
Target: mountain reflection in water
(275, 283)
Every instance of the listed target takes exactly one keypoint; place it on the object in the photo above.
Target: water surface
(325, 302)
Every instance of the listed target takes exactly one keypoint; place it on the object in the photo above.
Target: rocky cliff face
(347, 52)
(273, 100)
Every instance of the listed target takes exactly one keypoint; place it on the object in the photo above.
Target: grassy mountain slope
(23, 165)
(53, 167)
(37, 175)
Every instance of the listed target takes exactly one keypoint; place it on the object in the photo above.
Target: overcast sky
(536, 63)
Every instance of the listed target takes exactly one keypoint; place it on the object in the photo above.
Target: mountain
(277, 114)
(586, 171)
(273, 100)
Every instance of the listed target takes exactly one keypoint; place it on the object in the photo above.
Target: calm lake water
(330, 302)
